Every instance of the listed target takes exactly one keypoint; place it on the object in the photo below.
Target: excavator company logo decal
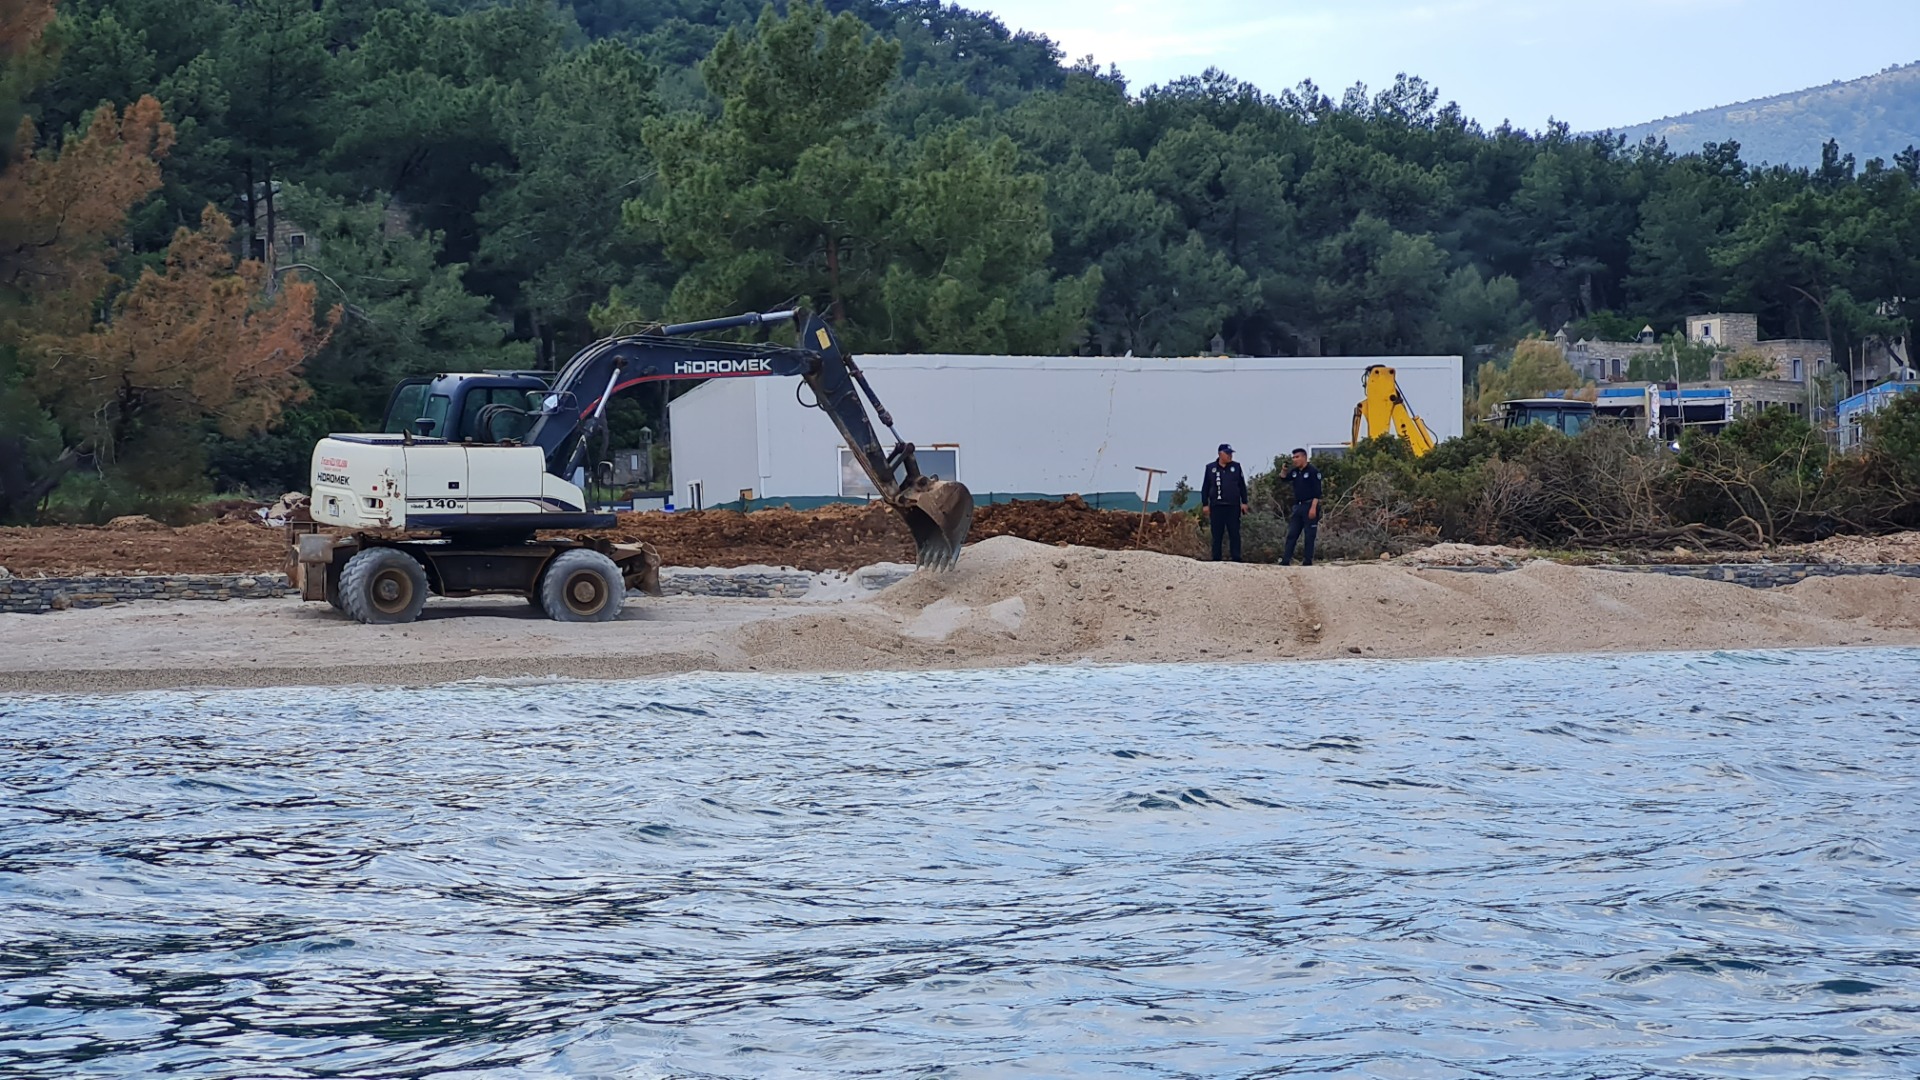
(722, 367)
(333, 463)
(334, 478)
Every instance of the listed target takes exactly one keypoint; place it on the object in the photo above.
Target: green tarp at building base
(1099, 500)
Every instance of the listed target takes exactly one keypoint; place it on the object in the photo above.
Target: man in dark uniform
(1223, 498)
(1305, 517)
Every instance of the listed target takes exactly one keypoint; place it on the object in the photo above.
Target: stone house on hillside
(1606, 361)
(292, 240)
(1794, 360)
(289, 243)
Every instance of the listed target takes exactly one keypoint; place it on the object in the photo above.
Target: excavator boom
(1384, 411)
(937, 512)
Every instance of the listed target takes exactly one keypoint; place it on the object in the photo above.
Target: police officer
(1223, 498)
(1305, 517)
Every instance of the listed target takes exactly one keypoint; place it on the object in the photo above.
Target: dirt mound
(841, 537)
(209, 548)
(134, 523)
(838, 537)
(1072, 521)
(847, 537)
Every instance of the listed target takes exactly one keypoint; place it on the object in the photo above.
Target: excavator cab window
(408, 399)
(503, 426)
(435, 417)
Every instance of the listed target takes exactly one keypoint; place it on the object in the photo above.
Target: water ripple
(1682, 866)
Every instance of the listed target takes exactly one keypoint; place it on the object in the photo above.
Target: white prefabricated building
(1039, 425)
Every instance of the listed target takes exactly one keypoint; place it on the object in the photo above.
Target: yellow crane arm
(1384, 411)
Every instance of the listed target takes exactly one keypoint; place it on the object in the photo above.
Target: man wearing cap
(1305, 518)
(1223, 498)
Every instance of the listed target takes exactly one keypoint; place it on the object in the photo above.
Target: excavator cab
(455, 407)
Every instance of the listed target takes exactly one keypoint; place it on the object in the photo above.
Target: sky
(1592, 65)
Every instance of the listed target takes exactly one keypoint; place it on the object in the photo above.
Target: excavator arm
(1384, 411)
(937, 512)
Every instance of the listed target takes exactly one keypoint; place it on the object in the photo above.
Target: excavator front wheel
(582, 586)
(383, 585)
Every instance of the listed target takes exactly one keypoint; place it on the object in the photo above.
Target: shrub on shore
(1766, 479)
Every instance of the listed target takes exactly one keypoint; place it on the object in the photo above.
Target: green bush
(1767, 478)
(33, 458)
(91, 498)
(1893, 434)
(280, 460)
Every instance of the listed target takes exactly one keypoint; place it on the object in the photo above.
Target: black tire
(582, 586)
(383, 585)
(332, 588)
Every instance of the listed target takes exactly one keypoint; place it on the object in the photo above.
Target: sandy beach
(1011, 602)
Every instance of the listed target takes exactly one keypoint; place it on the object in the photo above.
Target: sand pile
(1894, 548)
(1015, 598)
(1010, 602)
(1451, 554)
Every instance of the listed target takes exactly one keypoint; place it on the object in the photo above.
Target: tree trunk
(271, 255)
(253, 214)
(21, 491)
(833, 280)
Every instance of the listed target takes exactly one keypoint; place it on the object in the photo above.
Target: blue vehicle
(1568, 416)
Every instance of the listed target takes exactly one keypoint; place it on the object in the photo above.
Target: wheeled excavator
(1384, 411)
(450, 501)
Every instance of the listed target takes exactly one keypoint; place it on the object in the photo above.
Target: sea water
(1677, 865)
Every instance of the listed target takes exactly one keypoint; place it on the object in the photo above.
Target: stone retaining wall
(1772, 575)
(34, 595)
(760, 585)
(1752, 575)
(773, 584)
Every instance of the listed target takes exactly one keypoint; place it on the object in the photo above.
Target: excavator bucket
(938, 513)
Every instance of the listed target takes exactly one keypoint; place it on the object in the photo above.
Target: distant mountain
(1877, 116)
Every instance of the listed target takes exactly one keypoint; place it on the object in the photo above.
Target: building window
(941, 462)
(1799, 371)
(259, 252)
(296, 241)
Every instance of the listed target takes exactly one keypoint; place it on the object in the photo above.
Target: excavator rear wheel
(383, 585)
(582, 586)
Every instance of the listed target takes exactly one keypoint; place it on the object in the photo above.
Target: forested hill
(460, 185)
(1877, 116)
